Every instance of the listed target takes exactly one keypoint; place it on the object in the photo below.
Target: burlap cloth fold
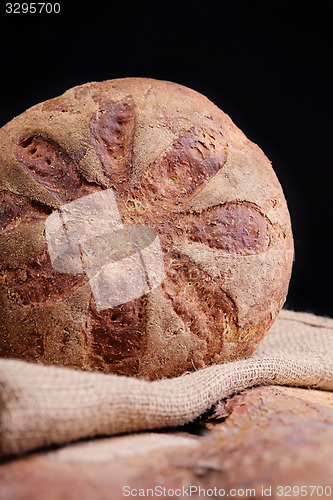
(42, 405)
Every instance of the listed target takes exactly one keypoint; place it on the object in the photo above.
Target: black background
(268, 64)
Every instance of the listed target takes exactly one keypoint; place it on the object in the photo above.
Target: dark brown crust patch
(49, 165)
(112, 131)
(26, 342)
(199, 300)
(15, 209)
(115, 337)
(234, 227)
(190, 161)
(39, 283)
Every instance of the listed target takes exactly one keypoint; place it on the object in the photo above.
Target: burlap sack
(42, 405)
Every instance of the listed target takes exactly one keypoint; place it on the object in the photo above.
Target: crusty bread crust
(177, 164)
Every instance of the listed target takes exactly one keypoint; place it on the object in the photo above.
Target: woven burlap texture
(44, 405)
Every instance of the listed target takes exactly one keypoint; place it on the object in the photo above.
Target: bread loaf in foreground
(173, 163)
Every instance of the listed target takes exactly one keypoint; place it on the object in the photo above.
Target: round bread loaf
(203, 217)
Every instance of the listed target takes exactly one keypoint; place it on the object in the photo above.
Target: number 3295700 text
(32, 8)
